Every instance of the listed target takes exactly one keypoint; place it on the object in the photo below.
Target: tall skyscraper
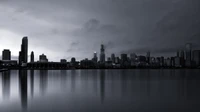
(6, 54)
(32, 56)
(102, 54)
(24, 51)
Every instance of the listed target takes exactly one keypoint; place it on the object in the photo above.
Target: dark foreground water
(100, 91)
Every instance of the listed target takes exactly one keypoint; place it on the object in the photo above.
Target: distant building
(177, 54)
(182, 54)
(148, 57)
(32, 56)
(109, 59)
(87, 63)
(188, 55)
(168, 62)
(113, 58)
(43, 58)
(196, 57)
(117, 60)
(102, 54)
(124, 58)
(73, 60)
(162, 59)
(63, 61)
(177, 62)
(172, 61)
(6, 54)
(133, 57)
(95, 58)
(182, 58)
(8, 63)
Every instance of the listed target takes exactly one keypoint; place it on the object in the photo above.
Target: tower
(102, 54)
(24, 51)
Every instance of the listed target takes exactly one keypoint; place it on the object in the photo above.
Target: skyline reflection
(130, 89)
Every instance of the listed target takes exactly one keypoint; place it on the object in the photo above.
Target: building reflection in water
(6, 84)
(102, 85)
(23, 88)
(43, 81)
(63, 78)
(32, 82)
(73, 77)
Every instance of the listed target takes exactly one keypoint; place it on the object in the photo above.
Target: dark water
(100, 91)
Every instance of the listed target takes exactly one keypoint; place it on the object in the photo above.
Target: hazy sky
(76, 28)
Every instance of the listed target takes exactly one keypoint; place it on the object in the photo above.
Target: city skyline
(77, 28)
(100, 56)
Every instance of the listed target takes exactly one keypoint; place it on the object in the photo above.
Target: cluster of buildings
(187, 58)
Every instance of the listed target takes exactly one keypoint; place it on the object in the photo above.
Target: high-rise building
(102, 54)
(113, 58)
(43, 58)
(32, 56)
(24, 51)
(6, 54)
(196, 57)
(188, 53)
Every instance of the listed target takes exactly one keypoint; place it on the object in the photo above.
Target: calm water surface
(100, 91)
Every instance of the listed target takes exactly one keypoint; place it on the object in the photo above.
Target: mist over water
(100, 90)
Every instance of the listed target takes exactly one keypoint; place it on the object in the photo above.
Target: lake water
(100, 91)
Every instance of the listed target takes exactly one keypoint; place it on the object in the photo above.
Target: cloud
(66, 28)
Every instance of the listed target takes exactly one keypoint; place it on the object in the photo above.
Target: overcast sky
(76, 28)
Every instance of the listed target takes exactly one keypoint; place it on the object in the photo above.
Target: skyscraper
(32, 56)
(102, 54)
(24, 51)
(6, 54)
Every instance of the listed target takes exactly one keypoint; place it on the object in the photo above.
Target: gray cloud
(76, 28)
